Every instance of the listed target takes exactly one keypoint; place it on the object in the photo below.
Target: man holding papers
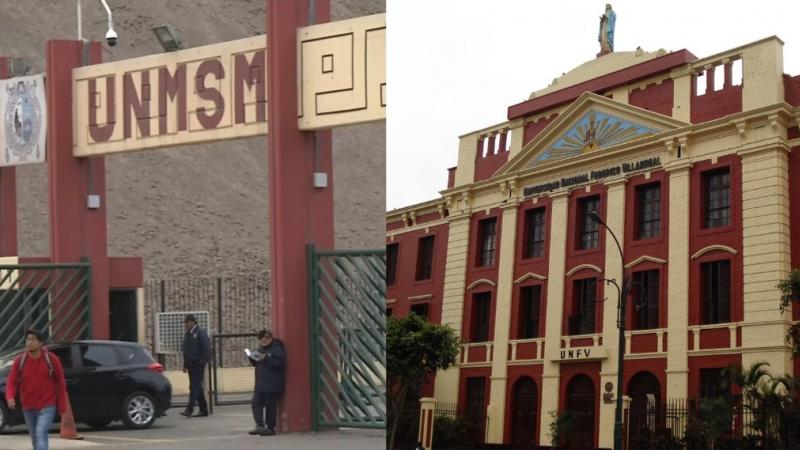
(270, 363)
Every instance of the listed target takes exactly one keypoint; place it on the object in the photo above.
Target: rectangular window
(645, 300)
(648, 202)
(589, 229)
(487, 236)
(584, 296)
(534, 229)
(716, 292)
(712, 383)
(388, 312)
(391, 263)
(420, 309)
(481, 312)
(529, 312)
(717, 198)
(425, 258)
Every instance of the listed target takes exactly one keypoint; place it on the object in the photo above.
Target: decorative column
(615, 219)
(505, 282)
(426, 417)
(555, 306)
(765, 253)
(682, 88)
(455, 277)
(677, 277)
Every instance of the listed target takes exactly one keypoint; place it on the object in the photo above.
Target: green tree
(790, 292)
(416, 349)
(562, 425)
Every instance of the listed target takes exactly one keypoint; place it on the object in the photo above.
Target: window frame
(482, 249)
(478, 329)
(722, 194)
(427, 307)
(712, 310)
(425, 257)
(581, 302)
(642, 203)
(586, 227)
(391, 263)
(535, 320)
(535, 224)
(652, 293)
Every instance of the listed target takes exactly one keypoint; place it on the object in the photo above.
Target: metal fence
(459, 427)
(53, 298)
(238, 304)
(683, 423)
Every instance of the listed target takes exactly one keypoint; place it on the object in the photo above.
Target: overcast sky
(454, 66)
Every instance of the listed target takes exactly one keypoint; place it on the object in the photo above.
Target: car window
(98, 355)
(65, 355)
(132, 356)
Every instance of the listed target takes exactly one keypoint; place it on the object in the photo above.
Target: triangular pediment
(592, 123)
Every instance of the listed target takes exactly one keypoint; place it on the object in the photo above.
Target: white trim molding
(481, 281)
(711, 248)
(579, 267)
(528, 276)
(645, 258)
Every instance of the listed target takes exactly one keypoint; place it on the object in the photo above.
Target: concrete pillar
(299, 213)
(555, 305)
(455, 276)
(426, 411)
(766, 258)
(615, 219)
(677, 280)
(76, 232)
(502, 323)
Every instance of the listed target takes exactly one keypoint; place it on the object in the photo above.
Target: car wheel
(4, 417)
(98, 424)
(139, 410)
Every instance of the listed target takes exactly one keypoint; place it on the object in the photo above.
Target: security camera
(111, 37)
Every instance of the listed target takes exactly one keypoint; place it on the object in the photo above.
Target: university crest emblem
(24, 120)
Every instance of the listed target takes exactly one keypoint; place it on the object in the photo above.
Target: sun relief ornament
(594, 131)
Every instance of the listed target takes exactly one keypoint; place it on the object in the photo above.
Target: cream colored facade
(758, 135)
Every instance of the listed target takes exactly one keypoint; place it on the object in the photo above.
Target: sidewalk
(226, 429)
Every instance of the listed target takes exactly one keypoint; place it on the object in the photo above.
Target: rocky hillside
(199, 210)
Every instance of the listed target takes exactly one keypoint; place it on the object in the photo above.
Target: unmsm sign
(190, 96)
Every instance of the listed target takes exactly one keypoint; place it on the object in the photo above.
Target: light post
(621, 307)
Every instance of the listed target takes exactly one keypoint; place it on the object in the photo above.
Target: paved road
(226, 429)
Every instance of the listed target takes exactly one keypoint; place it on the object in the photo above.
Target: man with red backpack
(39, 378)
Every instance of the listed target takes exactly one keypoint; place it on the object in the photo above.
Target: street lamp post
(621, 307)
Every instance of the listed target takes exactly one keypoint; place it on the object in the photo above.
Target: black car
(106, 381)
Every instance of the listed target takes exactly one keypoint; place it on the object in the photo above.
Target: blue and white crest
(24, 112)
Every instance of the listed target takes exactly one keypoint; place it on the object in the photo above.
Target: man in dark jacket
(195, 357)
(270, 363)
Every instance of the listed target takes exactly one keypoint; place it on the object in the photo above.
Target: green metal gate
(52, 298)
(348, 337)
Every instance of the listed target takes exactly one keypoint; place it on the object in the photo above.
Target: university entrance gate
(306, 76)
(348, 337)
